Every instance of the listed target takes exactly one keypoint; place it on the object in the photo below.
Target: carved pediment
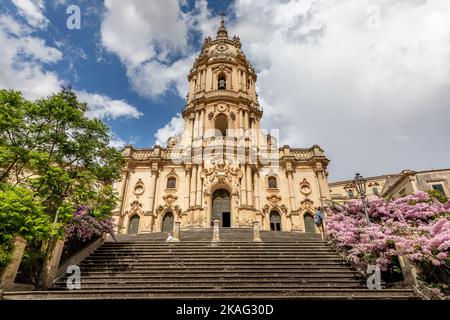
(273, 199)
(306, 205)
(170, 199)
(221, 171)
(268, 208)
(135, 208)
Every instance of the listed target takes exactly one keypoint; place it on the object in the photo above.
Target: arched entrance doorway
(167, 224)
(221, 208)
(309, 223)
(133, 225)
(275, 221)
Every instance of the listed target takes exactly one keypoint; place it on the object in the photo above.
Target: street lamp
(360, 184)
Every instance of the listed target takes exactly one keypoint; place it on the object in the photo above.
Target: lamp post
(360, 184)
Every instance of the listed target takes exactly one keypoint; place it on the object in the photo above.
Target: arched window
(171, 183)
(221, 81)
(351, 195)
(221, 125)
(272, 181)
(375, 191)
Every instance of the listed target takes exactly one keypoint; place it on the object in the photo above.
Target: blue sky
(87, 66)
(369, 81)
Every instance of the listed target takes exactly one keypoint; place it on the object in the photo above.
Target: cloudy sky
(368, 80)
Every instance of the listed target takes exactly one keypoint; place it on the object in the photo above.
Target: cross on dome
(222, 33)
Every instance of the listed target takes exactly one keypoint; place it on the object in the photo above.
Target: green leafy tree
(62, 157)
(20, 215)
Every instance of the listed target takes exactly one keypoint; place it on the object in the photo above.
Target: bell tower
(222, 98)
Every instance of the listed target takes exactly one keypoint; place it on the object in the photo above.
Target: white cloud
(23, 59)
(23, 65)
(325, 77)
(376, 99)
(174, 127)
(153, 78)
(101, 106)
(146, 36)
(32, 11)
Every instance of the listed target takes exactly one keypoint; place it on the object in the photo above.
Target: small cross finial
(222, 21)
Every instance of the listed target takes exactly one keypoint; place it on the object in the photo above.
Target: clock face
(222, 47)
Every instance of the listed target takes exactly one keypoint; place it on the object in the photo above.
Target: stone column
(256, 188)
(198, 199)
(216, 236)
(10, 272)
(319, 182)
(192, 120)
(241, 119)
(196, 125)
(51, 263)
(193, 185)
(234, 210)
(187, 186)
(209, 78)
(246, 120)
(289, 173)
(204, 79)
(243, 195)
(256, 235)
(123, 191)
(202, 123)
(153, 186)
(176, 231)
(249, 185)
(245, 81)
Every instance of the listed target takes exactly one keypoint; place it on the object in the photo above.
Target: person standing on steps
(169, 237)
(318, 220)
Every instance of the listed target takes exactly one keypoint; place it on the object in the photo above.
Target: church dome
(222, 49)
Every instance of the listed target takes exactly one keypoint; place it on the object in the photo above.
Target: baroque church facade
(223, 166)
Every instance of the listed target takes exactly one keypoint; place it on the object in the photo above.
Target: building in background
(408, 182)
(342, 191)
(394, 186)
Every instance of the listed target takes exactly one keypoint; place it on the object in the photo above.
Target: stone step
(216, 249)
(237, 268)
(214, 280)
(209, 262)
(189, 294)
(282, 266)
(212, 285)
(214, 253)
(278, 244)
(222, 273)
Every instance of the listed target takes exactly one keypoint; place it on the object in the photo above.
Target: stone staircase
(283, 266)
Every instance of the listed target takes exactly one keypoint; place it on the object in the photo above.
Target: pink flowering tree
(85, 225)
(419, 223)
